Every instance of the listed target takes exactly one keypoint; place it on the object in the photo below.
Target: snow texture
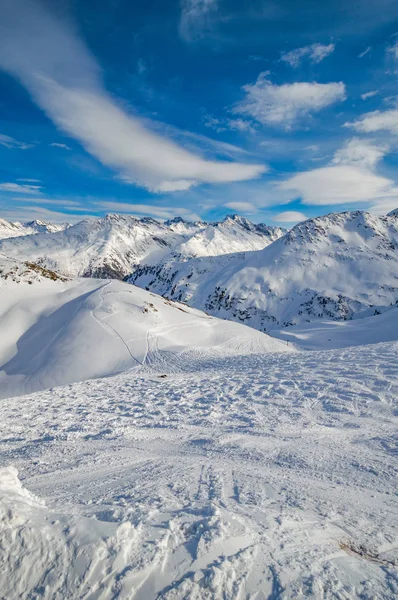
(262, 476)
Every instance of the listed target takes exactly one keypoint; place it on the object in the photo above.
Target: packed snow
(261, 476)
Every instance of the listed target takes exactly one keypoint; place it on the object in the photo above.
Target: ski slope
(262, 476)
(58, 332)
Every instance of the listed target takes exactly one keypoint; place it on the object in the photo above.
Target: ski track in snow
(205, 476)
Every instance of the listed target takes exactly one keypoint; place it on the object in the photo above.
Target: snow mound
(57, 333)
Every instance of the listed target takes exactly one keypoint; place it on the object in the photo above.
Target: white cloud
(63, 146)
(16, 188)
(376, 121)
(315, 53)
(284, 104)
(64, 80)
(289, 216)
(241, 206)
(342, 184)
(9, 142)
(369, 94)
(350, 178)
(195, 19)
(360, 153)
(365, 52)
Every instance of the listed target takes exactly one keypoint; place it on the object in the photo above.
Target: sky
(277, 111)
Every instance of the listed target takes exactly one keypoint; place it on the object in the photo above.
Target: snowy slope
(337, 267)
(55, 333)
(233, 234)
(114, 245)
(342, 334)
(9, 230)
(12, 270)
(268, 476)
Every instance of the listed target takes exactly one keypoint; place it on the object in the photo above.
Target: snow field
(261, 476)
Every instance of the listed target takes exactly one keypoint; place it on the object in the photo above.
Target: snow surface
(263, 476)
(54, 333)
(338, 267)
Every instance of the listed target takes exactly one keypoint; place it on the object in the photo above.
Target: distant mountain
(233, 234)
(9, 230)
(115, 245)
(339, 266)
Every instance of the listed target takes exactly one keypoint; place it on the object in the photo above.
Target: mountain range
(339, 266)
(116, 244)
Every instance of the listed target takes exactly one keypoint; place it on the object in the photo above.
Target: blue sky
(200, 108)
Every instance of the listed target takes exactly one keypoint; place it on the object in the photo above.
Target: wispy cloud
(393, 50)
(376, 121)
(272, 104)
(64, 80)
(365, 52)
(16, 188)
(369, 94)
(10, 142)
(360, 153)
(315, 53)
(195, 19)
(23, 213)
(57, 145)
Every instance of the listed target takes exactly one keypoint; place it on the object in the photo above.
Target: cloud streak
(315, 53)
(10, 142)
(63, 78)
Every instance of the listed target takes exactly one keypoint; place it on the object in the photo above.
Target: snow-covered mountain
(17, 229)
(339, 266)
(114, 245)
(12, 270)
(233, 234)
(57, 332)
